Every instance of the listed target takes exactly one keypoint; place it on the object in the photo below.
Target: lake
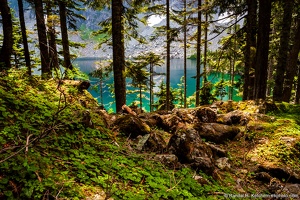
(87, 65)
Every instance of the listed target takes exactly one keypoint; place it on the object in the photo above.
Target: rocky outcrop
(187, 145)
(217, 133)
(236, 117)
(206, 115)
(131, 126)
(281, 173)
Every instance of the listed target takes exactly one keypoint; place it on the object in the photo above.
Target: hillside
(57, 143)
(133, 48)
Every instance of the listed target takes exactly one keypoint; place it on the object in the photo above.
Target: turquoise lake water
(88, 65)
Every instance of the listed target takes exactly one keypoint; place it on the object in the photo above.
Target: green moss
(68, 159)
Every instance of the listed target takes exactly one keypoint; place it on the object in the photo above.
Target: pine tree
(198, 67)
(64, 36)
(43, 42)
(283, 49)
(262, 49)
(251, 27)
(24, 36)
(7, 45)
(118, 54)
(292, 64)
(139, 75)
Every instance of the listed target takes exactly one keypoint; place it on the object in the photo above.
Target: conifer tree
(168, 33)
(262, 49)
(283, 49)
(51, 21)
(43, 42)
(7, 44)
(292, 64)
(24, 36)
(198, 67)
(64, 36)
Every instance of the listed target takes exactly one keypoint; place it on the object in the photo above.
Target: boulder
(292, 189)
(84, 85)
(187, 145)
(289, 175)
(206, 115)
(217, 133)
(152, 119)
(186, 115)
(141, 141)
(171, 122)
(234, 118)
(218, 152)
(132, 126)
(169, 160)
(155, 142)
(223, 163)
(263, 176)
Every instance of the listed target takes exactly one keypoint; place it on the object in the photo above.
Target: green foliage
(206, 96)
(49, 151)
(283, 137)
(88, 34)
(220, 89)
(160, 104)
(75, 73)
(38, 127)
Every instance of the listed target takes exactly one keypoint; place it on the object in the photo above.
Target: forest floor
(55, 144)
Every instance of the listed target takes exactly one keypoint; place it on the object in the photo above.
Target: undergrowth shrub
(47, 151)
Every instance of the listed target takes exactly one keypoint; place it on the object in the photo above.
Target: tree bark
(198, 66)
(54, 63)
(151, 87)
(168, 56)
(297, 99)
(141, 98)
(6, 49)
(292, 65)
(250, 45)
(205, 47)
(118, 54)
(283, 49)
(24, 36)
(64, 36)
(43, 43)
(184, 53)
(262, 52)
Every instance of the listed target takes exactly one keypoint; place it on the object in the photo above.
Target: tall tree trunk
(250, 44)
(118, 54)
(41, 27)
(24, 36)
(52, 37)
(292, 65)
(168, 55)
(262, 52)
(184, 52)
(232, 72)
(198, 66)
(151, 87)
(64, 36)
(101, 90)
(141, 98)
(7, 44)
(297, 99)
(270, 75)
(205, 47)
(283, 49)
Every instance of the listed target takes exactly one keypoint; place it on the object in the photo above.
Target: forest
(57, 141)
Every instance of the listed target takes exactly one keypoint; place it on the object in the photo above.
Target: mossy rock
(132, 126)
